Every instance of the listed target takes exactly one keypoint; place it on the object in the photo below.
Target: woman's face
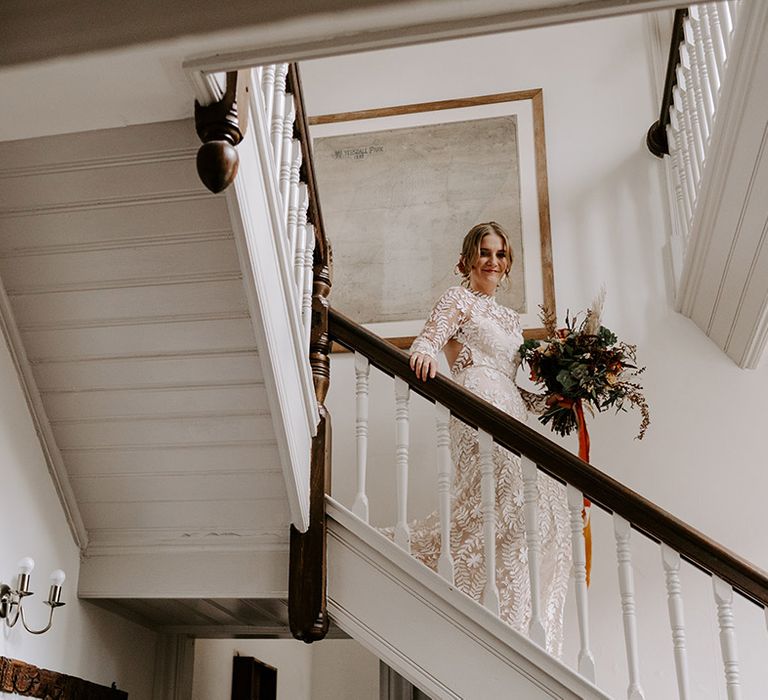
(491, 264)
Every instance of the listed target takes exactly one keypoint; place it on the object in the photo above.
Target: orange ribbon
(584, 455)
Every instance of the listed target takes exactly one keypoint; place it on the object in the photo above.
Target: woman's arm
(442, 324)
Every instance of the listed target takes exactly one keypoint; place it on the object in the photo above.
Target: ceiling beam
(38, 30)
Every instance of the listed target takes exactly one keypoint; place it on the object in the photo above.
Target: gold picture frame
(528, 108)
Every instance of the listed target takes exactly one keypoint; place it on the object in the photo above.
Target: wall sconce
(12, 600)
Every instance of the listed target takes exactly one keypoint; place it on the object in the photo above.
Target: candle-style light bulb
(54, 594)
(26, 565)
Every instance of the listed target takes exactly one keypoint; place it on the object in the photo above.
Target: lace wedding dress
(490, 335)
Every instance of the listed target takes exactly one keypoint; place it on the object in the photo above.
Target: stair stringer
(429, 632)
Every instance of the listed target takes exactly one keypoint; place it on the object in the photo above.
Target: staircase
(170, 372)
(178, 442)
(712, 135)
(661, 604)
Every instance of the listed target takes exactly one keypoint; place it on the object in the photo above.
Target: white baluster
(533, 542)
(678, 179)
(402, 396)
(293, 196)
(724, 601)
(677, 149)
(710, 53)
(726, 20)
(671, 561)
(622, 531)
(285, 157)
(268, 88)
(278, 111)
(684, 110)
(691, 108)
(488, 510)
(682, 143)
(586, 663)
(704, 95)
(717, 30)
(445, 561)
(362, 371)
(300, 242)
(298, 256)
(306, 300)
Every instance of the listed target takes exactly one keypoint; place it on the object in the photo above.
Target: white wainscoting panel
(426, 624)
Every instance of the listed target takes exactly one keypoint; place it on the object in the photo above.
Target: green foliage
(595, 368)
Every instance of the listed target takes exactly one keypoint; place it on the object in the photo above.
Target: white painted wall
(342, 669)
(85, 641)
(702, 458)
(334, 669)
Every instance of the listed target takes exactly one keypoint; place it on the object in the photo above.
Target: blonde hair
(470, 248)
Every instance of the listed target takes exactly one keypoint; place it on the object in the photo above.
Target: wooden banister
(307, 612)
(656, 138)
(602, 490)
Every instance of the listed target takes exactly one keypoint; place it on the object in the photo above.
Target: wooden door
(253, 679)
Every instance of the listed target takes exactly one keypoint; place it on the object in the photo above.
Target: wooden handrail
(601, 489)
(656, 138)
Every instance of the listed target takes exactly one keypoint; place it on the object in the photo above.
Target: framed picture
(401, 186)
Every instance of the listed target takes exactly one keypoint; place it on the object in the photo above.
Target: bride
(480, 339)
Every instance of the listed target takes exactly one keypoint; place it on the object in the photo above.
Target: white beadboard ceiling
(123, 281)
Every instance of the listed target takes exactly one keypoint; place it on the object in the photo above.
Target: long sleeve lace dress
(491, 336)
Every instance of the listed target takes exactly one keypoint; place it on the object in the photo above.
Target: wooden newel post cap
(217, 163)
(656, 140)
(218, 128)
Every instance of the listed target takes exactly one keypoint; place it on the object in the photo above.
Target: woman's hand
(424, 366)
(559, 401)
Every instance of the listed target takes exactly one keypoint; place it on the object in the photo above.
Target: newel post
(307, 605)
(218, 127)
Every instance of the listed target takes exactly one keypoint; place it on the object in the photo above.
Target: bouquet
(584, 364)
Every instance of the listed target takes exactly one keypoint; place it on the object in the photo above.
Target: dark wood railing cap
(609, 494)
(656, 138)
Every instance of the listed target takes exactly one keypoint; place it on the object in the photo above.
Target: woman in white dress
(481, 339)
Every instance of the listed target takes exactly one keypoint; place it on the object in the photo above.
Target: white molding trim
(106, 543)
(363, 563)
(106, 203)
(126, 283)
(110, 161)
(275, 315)
(393, 25)
(179, 573)
(51, 452)
(124, 242)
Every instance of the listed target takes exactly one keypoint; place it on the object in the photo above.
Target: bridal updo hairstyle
(470, 248)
